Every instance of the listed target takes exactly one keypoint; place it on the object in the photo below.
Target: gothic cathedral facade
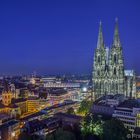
(108, 68)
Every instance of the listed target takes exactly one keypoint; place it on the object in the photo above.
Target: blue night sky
(59, 36)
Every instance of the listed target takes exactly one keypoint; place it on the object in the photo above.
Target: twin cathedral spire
(108, 67)
(116, 38)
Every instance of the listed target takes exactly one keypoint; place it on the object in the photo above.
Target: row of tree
(92, 128)
(111, 129)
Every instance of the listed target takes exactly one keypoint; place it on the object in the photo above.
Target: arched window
(115, 58)
(116, 88)
(114, 71)
(99, 59)
(98, 73)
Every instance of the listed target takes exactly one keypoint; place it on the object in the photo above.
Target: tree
(114, 130)
(70, 110)
(91, 124)
(60, 134)
(84, 107)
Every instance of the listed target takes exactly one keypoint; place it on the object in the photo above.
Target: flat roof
(130, 103)
(68, 115)
(32, 116)
(7, 124)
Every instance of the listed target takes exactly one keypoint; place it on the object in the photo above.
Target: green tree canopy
(91, 125)
(70, 110)
(114, 130)
(84, 107)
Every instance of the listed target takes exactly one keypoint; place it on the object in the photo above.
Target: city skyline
(52, 37)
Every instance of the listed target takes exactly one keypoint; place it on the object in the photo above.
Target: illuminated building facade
(7, 97)
(6, 106)
(24, 93)
(57, 96)
(128, 113)
(33, 104)
(108, 68)
(21, 103)
(106, 104)
(130, 83)
(10, 130)
(61, 85)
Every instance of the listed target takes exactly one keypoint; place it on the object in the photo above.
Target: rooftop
(7, 124)
(32, 116)
(68, 115)
(18, 100)
(35, 123)
(130, 103)
(2, 105)
(33, 98)
(57, 92)
(129, 72)
(4, 115)
(103, 99)
(13, 106)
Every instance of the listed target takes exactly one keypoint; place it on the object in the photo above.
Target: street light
(84, 89)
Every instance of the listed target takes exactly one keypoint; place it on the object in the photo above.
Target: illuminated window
(138, 120)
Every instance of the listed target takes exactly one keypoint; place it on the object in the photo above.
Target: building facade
(107, 104)
(128, 113)
(130, 83)
(108, 67)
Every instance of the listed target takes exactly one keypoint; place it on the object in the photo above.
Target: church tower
(6, 94)
(108, 67)
(116, 65)
(99, 65)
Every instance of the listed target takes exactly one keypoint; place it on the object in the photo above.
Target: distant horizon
(59, 37)
(52, 75)
(14, 75)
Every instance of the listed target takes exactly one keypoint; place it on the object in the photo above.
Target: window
(115, 58)
(114, 71)
(98, 73)
(99, 59)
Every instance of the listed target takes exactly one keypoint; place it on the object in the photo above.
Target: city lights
(69, 71)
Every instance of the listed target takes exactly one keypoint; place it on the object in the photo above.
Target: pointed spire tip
(100, 22)
(116, 19)
(100, 42)
(116, 39)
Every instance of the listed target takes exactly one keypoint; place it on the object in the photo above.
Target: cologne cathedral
(109, 76)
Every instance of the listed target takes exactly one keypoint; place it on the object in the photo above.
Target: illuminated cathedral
(109, 76)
